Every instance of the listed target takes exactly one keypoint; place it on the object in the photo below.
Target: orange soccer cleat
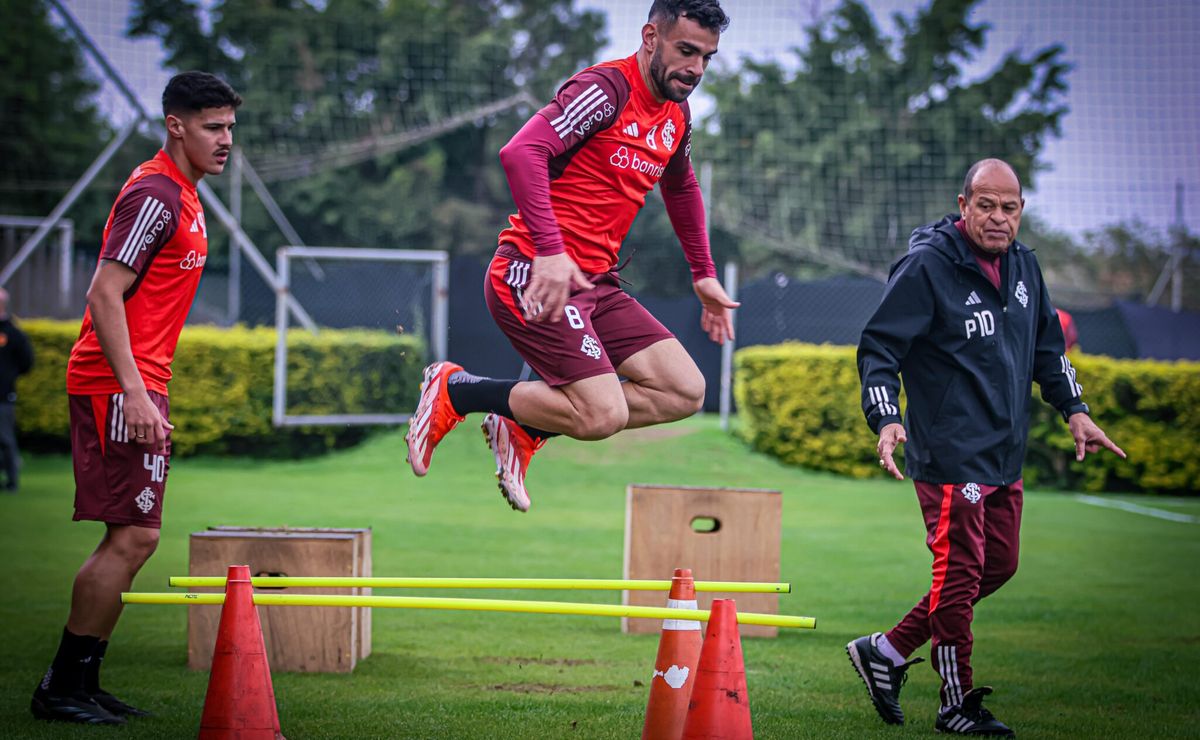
(434, 417)
(512, 448)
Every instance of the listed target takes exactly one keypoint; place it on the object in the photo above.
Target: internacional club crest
(590, 347)
(1022, 294)
(145, 500)
(972, 493)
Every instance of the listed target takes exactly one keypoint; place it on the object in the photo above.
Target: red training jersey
(156, 228)
(611, 143)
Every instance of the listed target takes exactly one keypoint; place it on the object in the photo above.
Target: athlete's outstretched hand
(1089, 437)
(716, 314)
(889, 437)
(550, 287)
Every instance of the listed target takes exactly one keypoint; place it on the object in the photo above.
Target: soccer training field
(1098, 635)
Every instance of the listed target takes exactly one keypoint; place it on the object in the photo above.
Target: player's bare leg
(663, 385)
(589, 409)
(96, 595)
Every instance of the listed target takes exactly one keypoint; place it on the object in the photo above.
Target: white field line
(1170, 516)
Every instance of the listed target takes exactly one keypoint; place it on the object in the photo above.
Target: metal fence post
(731, 286)
(282, 294)
(439, 328)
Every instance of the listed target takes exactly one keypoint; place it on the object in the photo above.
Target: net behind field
(374, 298)
(385, 296)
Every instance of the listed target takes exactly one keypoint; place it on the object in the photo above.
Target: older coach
(966, 320)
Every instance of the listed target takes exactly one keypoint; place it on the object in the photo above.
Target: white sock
(889, 652)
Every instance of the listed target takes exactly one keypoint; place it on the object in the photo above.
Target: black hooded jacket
(968, 355)
(16, 358)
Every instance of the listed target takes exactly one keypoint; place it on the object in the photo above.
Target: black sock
(66, 672)
(91, 673)
(470, 393)
(536, 433)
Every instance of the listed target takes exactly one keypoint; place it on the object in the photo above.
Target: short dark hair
(969, 180)
(707, 13)
(191, 92)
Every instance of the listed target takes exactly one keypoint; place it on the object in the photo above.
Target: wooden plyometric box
(722, 534)
(305, 639)
(362, 569)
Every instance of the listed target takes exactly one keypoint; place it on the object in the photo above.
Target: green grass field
(1096, 636)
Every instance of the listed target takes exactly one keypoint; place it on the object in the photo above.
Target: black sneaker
(77, 707)
(883, 679)
(116, 707)
(970, 718)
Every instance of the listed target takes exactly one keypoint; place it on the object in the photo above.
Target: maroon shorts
(599, 329)
(117, 481)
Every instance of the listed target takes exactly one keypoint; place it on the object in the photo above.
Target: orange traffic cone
(675, 666)
(240, 703)
(720, 705)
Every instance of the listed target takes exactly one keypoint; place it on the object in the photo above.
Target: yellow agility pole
(488, 605)
(564, 584)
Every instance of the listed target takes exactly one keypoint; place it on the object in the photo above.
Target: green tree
(833, 159)
(1125, 260)
(50, 128)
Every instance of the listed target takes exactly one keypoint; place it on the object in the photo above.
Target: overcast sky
(1132, 133)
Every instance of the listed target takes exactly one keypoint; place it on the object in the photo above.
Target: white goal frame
(439, 323)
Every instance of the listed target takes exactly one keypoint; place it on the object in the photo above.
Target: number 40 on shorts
(157, 465)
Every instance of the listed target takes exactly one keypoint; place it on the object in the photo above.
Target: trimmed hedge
(800, 403)
(222, 387)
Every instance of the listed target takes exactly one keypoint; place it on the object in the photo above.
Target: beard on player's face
(662, 79)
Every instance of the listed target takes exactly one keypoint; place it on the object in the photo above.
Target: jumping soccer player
(968, 323)
(580, 170)
(154, 248)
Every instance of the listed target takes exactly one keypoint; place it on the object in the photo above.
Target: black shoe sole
(1010, 734)
(40, 711)
(118, 708)
(859, 669)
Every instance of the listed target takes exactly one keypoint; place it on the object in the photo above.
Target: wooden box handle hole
(706, 524)
(270, 574)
